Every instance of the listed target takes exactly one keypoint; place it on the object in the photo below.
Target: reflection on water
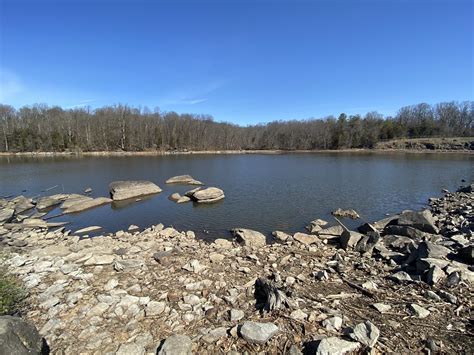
(263, 192)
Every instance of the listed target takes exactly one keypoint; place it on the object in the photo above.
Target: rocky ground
(403, 285)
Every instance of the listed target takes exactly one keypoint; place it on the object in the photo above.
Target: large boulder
(183, 179)
(249, 237)
(423, 221)
(87, 204)
(122, 190)
(176, 344)
(19, 337)
(209, 195)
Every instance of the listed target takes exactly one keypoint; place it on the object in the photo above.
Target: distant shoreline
(230, 152)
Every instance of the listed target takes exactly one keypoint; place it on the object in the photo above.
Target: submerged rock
(249, 237)
(122, 190)
(183, 179)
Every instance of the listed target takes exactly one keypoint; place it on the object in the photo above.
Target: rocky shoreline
(403, 285)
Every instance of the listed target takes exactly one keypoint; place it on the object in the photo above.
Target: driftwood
(269, 295)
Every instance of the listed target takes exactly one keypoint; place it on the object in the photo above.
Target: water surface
(263, 192)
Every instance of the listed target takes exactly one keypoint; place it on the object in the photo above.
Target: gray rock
(448, 297)
(249, 237)
(6, 214)
(258, 333)
(418, 311)
(209, 195)
(401, 276)
(316, 225)
(87, 204)
(75, 200)
(19, 337)
(49, 201)
(435, 275)
(280, 235)
(176, 345)
(175, 197)
(350, 213)
(454, 279)
(467, 254)
(128, 264)
(336, 346)
(183, 179)
(349, 239)
(88, 229)
(334, 231)
(163, 257)
(333, 323)
(122, 190)
(154, 308)
(214, 335)
(366, 333)
(306, 239)
(382, 307)
(130, 348)
(423, 221)
(236, 315)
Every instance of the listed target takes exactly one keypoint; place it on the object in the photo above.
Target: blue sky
(240, 61)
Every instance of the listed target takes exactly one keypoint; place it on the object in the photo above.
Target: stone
(258, 333)
(34, 223)
(128, 264)
(130, 348)
(98, 309)
(366, 333)
(418, 311)
(46, 202)
(191, 299)
(223, 243)
(175, 197)
(467, 254)
(154, 308)
(448, 297)
(401, 276)
(236, 315)
(316, 225)
(194, 266)
(249, 237)
(214, 335)
(423, 221)
(435, 274)
(349, 239)
(382, 307)
(336, 346)
(163, 257)
(282, 236)
(87, 204)
(75, 200)
(209, 195)
(333, 323)
(183, 179)
(183, 199)
(123, 190)
(6, 215)
(89, 229)
(19, 337)
(345, 213)
(454, 279)
(216, 257)
(176, 345)
(111, 284)
(334, 231)
(99, 260)
(298, 314)
(306, 239)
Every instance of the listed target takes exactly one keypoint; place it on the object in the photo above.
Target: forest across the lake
(124, 128)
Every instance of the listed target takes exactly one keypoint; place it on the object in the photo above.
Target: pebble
(418, 311)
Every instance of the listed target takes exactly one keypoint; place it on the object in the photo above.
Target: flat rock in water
(122, 190)
(85, 205)
(209, 195)
(175, 197)
(176, 345)
(336, 346)
(21, 204)
(249, 237)
(74, 200)
(89, 229)
(345, 213)
(18, 337)
(49, 201)
(183, 179)
(423, 221)
(258, 333)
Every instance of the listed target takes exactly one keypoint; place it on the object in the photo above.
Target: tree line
(121, 127)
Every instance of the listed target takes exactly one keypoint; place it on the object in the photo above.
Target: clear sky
(240, 61)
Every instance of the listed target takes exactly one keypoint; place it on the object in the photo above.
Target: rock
(214, 335)
(401, 276)
(191, 299)
(99, 260)
(454, 279)
(382, 307)
(87, 204)
(175, 197)
(183, 179)
(405, 231)
(128, 264)
(294, 350)
(111, 284)
(366, 333)
(88, 190)
(298, 314)
(176, 345)
(6, 215)
(423, 221)
(75, 200)
(467, 254)
(183, 199)
(223, 244)
(163, 257)
(282, 236)
(306, 239)
(19, 337)
(209, 195)
(316, 225)
(194, 266)
(250, 237)
(122, 190)
(333, 323)
(336, 346)
(418, 311)
(349, 239)
(431, 250)
(448, 297)
(216, 257)
(334, 231)
(130, 348)
(22, 204)
(345, 213)
(258, 333)
(46, 202)
(435, 274)
(89, 229)
(370, 285)
(154, 308)
(236, 315)
(133, 228)
(190, 193)
(34, 223)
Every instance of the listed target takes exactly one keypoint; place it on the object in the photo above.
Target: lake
(264, 192)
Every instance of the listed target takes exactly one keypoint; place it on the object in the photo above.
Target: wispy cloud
(82, 103)
(10, 85)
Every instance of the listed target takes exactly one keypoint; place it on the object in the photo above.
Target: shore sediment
(403, 285)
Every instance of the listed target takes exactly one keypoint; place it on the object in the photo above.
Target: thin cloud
(81, 103)
(10, 85)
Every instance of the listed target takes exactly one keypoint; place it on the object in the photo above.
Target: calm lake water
(263, 192)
